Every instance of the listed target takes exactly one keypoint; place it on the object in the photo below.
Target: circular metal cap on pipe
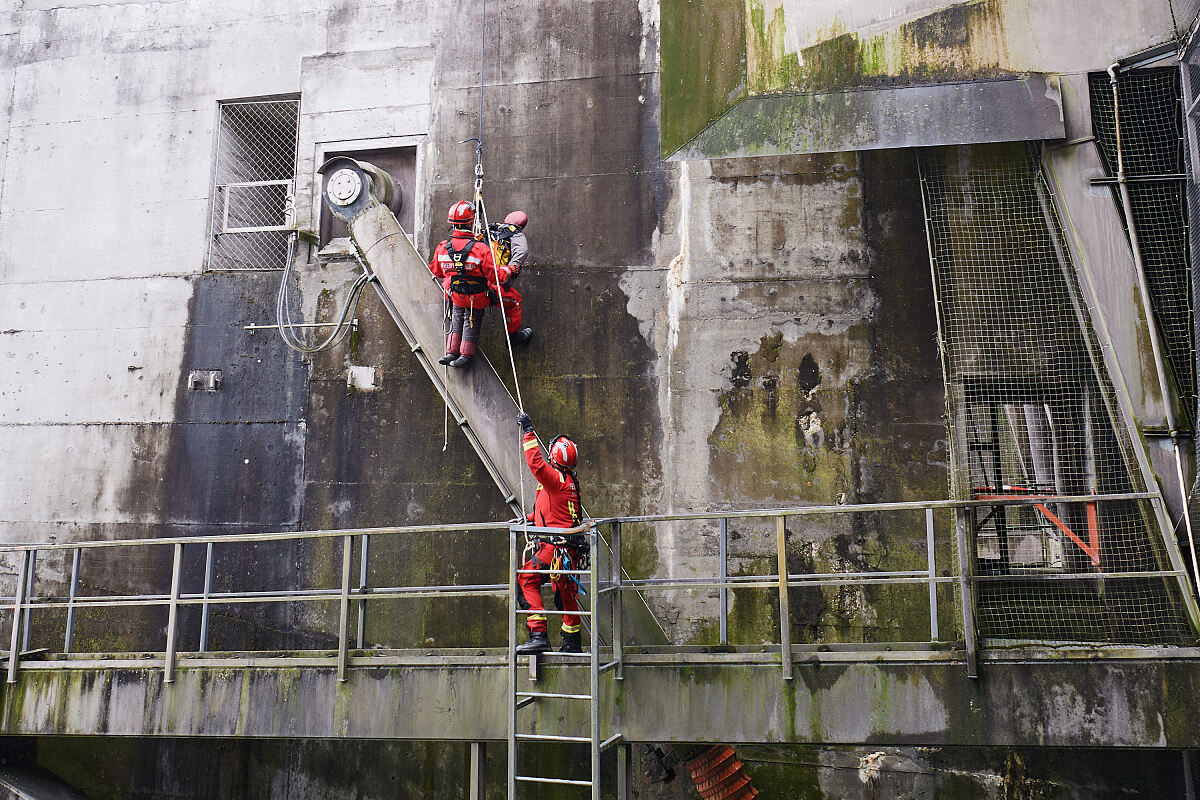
(344, 187)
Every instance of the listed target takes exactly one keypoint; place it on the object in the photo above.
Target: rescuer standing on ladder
(465, 266)
(556, 505)
(511, 248)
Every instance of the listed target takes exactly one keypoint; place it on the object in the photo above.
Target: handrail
(792, 511)
(609, 587)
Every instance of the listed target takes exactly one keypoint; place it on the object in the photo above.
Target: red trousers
(566, 591)
(510, 299)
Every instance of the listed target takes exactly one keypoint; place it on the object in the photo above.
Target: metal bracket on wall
(204, 380)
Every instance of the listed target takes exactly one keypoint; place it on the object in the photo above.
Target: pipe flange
(344, 187)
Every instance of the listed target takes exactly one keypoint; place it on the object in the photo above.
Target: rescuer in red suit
(556, 505)
(465, 266)
(511, 248)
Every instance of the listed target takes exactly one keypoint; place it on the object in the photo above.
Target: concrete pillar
(478, 776)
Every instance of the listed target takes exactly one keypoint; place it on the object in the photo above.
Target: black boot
(572, 643)
(521, 336)
(446, 359)
(538, 643)
(461, 361)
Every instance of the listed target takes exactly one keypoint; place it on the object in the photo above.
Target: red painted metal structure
(1091, 547)
(720, 775)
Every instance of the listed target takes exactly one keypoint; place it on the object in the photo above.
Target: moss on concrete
(703, 58)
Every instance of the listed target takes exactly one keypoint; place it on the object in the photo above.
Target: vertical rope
(481, 226)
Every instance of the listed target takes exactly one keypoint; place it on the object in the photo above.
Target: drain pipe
(1152, 324)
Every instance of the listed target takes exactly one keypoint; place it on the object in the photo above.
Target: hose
(287, 328)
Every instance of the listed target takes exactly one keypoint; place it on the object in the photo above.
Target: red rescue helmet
(517, 218)
(461, 214)
(563, 453)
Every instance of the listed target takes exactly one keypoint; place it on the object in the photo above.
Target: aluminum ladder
(521, 697)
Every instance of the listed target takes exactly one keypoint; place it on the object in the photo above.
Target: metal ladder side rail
(523, 699)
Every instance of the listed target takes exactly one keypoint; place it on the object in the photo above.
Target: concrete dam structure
(873, 324)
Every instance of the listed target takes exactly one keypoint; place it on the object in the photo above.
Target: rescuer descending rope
(464, 265)
(557, 504)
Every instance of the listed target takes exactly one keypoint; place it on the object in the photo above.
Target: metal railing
(610, 582)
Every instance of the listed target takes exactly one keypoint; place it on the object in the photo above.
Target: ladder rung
(567, 781)
(560, 695)
(584, 654)
(550, 737)
(580, 612)
(610, 741)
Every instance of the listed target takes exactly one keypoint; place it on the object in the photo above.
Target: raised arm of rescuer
(465, 267)
(556, 504)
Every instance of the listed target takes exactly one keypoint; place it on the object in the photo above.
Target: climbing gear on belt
(461, 282)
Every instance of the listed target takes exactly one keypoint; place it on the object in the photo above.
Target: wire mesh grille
(1032, 412)
(252, 185)
(1152, 149)
(1190, 75)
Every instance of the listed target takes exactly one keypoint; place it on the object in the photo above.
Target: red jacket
(557, 503)
(467, 289)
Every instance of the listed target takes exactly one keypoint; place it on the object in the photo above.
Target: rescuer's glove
(525, 422)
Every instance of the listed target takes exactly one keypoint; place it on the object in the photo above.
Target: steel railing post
(30, 582)
(208, 571)
(362, 589)
(511, 755)
(624, 772)
(69, 637)
(478, 776)
(785, 617)
(14, 652)
(723, 555)
(617, 601)
(594, 663)
(966, 590)
(173, 614)
(344, 607)
(934, 633)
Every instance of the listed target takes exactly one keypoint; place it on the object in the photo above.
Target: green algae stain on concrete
(703, 59)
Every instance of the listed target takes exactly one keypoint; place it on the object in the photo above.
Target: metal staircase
(524, 694)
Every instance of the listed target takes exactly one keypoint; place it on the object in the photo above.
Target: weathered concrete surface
(874, 119)
(18, 783)
(771, 47)
(1124, 704)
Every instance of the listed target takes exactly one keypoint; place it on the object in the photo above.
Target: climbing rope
(481, 230)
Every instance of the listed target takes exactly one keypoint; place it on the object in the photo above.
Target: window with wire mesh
(1032, 413)
(1151, 136)
(253, 180)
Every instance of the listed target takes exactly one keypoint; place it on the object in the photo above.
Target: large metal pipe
(1160, 367)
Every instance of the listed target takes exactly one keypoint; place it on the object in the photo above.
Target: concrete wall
(738, 333)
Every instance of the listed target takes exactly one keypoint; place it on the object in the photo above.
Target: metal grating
(253, 183)
(1032, 412)
(1190, 94)
(1152, 148)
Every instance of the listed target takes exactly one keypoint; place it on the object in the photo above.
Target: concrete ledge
(698, 697)
(873, 119)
